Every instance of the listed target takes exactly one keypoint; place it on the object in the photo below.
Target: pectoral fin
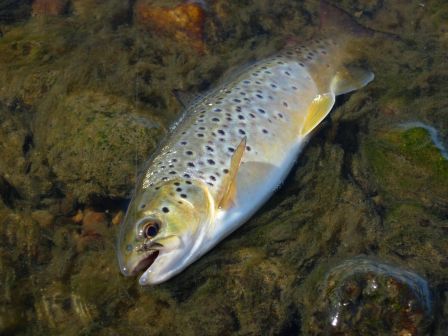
(229, 185)
(317, 111)
(348, 79)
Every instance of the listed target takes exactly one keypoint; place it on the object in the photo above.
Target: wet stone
(362, 296)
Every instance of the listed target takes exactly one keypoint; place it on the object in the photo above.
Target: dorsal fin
(185, 99)
(229, 185)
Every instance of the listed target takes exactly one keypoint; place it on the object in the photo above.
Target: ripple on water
(362, 296)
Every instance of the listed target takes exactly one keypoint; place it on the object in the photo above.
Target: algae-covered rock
(96, 142)
(19, 178)
(14, 10)
(408, 166)
(362, 296)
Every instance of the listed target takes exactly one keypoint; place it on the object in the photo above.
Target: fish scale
(233, 147)
(257, 105)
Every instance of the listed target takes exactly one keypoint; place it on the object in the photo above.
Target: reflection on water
(86, 94)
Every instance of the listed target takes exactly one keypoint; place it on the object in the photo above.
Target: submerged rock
(12, 11)
(184, 22)
(362, 296)
(49, 7)
(95, 141)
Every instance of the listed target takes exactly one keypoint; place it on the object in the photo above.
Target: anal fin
(317, 111)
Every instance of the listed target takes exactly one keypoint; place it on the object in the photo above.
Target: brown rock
(78, 217)
(184, 22)
(49, 7)
(94, 223)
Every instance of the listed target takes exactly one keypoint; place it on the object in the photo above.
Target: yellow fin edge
(317, 111)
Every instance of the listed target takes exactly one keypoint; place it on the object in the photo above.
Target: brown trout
(229, 153)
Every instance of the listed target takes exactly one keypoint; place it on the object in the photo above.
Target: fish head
(163, 228)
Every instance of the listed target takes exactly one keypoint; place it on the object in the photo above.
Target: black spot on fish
(189, 152)
(241, 132)
(165, 210)
(190, 164)
(211, 162)
(183, 195)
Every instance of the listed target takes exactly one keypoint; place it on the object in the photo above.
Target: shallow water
(85, 97)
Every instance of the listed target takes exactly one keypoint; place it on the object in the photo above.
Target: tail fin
(334, 20)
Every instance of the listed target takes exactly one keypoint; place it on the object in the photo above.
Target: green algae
(406, 163)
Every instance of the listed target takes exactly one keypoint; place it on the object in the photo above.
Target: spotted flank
(229, 153)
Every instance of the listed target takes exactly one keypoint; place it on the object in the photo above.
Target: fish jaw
(165, 266)
(161, 261)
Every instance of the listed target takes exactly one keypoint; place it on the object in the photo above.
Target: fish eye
(150, 229)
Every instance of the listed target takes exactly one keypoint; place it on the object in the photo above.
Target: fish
(231, 150)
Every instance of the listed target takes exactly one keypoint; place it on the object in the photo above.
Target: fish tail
(336, 22)
(338, 73)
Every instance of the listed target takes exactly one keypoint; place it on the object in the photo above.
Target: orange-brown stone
(48, 7)
(184, 22)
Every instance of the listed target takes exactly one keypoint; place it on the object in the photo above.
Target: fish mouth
(146, 262)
